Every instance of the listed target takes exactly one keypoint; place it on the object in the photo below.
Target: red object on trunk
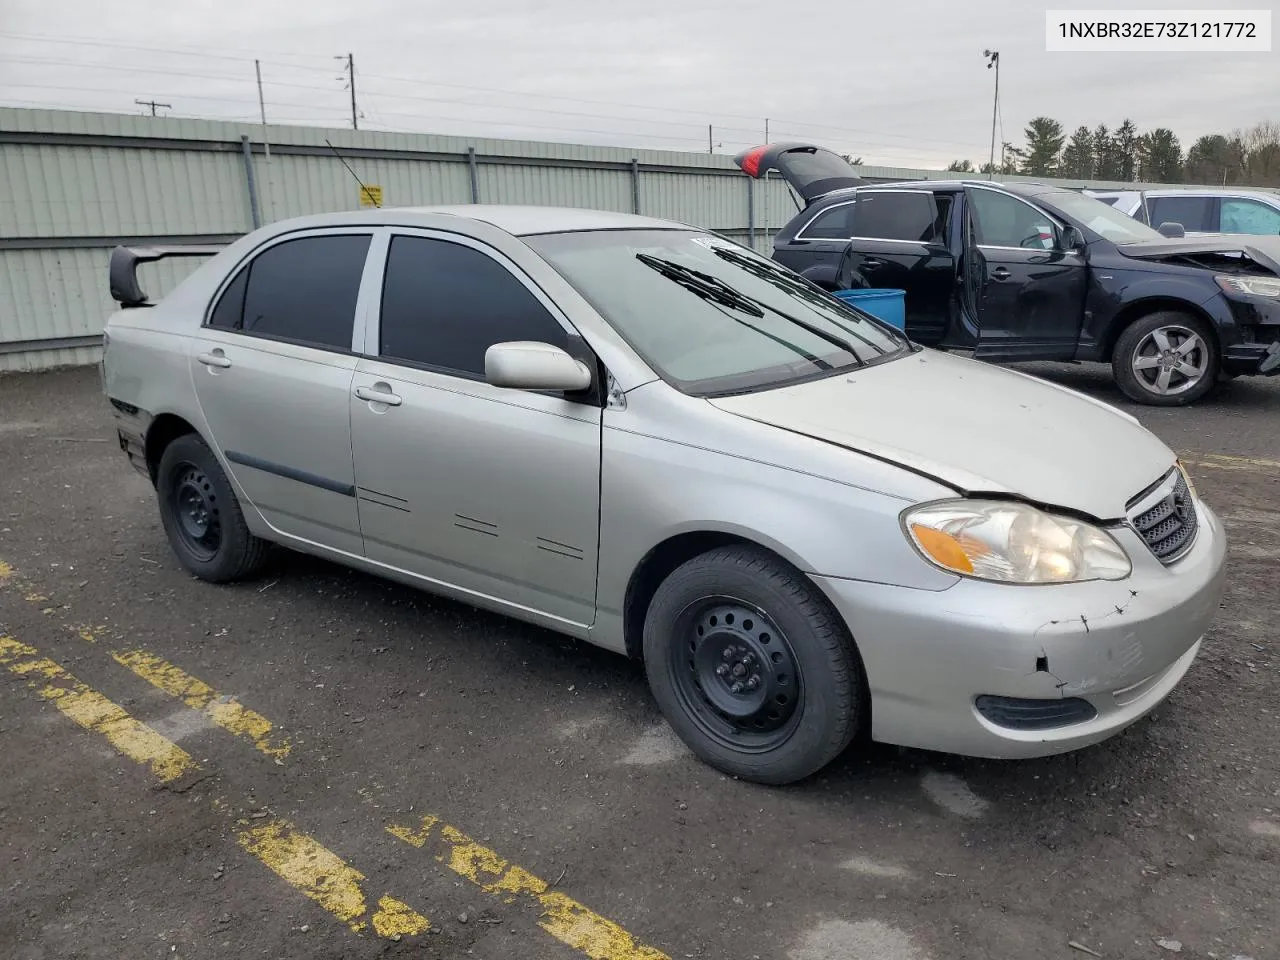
(751, 162)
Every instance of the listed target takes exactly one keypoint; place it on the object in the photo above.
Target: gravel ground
(386, 706)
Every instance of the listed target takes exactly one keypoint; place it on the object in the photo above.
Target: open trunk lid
(811, 170)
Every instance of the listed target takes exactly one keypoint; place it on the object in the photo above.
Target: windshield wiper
(788, 284)
(696, 277)
(720, 295)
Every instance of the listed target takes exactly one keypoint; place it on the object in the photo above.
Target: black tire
(195, 495)
(1137, 344)
(810, 692)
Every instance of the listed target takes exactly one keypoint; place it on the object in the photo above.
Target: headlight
(1257, 286)
(1013, 543)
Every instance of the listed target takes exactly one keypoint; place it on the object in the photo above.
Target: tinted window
(230, 309)
(305, 290)
(1004, 221)
(1192, 212)
(833, 224)
(444, 305)
(896, 216)
(1249, 216)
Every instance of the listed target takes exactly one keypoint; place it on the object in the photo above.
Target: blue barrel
(886, 304)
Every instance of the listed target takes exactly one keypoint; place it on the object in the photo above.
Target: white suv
(1200, 211)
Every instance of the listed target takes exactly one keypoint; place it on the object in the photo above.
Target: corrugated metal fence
(72, 185)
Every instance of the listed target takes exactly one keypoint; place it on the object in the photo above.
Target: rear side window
(303, 291)
(444, 304)
(1194, 213)
(1250, 216)
(833, 224)
(896, 216)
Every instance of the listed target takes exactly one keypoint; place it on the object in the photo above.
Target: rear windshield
(712, 317)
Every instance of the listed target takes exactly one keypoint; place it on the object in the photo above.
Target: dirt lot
(319, 764)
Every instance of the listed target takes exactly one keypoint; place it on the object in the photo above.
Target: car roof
(1030, 189)
(516, 220)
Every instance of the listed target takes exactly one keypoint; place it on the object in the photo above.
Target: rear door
(1027, 291)
(899, 242)
(272, 369)
(812, 171)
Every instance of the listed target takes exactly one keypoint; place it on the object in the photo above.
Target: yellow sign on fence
(371, 195)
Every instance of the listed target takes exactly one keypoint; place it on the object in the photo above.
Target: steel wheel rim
(736, 674)
(195, 510)
(1170, 360)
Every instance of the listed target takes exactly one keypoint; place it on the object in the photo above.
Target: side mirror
(1072, 239)
(529, 365)
(1172, 230)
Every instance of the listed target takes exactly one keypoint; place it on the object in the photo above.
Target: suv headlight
(1244, 283)
(1012, 542)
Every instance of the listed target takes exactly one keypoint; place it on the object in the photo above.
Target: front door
(1028, 292)
(491, 491)
(272, 369)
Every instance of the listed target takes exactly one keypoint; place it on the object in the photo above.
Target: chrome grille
(1169, 526)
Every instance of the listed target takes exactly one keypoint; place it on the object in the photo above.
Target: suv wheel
(751, 666)
(1166, 359)
(201, 516)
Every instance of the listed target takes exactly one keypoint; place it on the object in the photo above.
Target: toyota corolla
(809, 528)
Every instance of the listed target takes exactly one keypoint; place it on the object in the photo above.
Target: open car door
(812, 171)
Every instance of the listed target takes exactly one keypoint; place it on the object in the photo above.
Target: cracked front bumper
(1122, 646)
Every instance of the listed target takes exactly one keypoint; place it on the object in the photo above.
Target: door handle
(872, 262)
(379, 396)
(1000, 273)
(215, 359)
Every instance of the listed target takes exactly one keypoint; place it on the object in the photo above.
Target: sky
(899, 84)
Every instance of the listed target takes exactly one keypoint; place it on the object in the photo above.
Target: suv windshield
(712, 317)
(1101, 218)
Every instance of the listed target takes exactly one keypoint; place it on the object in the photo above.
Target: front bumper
(1122, 646)
(1258, 323)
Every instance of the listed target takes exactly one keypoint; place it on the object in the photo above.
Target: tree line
(1242, 158)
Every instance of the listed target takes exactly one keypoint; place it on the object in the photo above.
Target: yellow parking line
(563, 917)
(328, 880)
(92, 711)
(230, 715)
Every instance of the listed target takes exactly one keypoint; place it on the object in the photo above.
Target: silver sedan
(648, 437)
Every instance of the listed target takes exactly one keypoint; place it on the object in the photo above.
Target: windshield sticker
(714, 243)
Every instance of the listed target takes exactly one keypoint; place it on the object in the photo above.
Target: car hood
(1262, 250)
(975, 427)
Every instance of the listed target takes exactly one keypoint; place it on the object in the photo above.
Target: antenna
(364, 188)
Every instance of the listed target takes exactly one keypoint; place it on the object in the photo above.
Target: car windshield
(712, 317)
(1102, 219)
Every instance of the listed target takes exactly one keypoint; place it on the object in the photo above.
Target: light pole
(993, 60)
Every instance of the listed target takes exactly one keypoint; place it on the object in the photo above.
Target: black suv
(1027, 271)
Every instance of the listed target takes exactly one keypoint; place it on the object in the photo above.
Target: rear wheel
(201, 516)
(751, 666)
(1166, 359)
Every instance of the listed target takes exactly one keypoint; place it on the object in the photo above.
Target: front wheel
(751, 667)
(1166, 359)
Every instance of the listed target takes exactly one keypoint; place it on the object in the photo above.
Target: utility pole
(152, 104)
(993, 60)
(351, 74)
(710, 148)
(262, 110)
